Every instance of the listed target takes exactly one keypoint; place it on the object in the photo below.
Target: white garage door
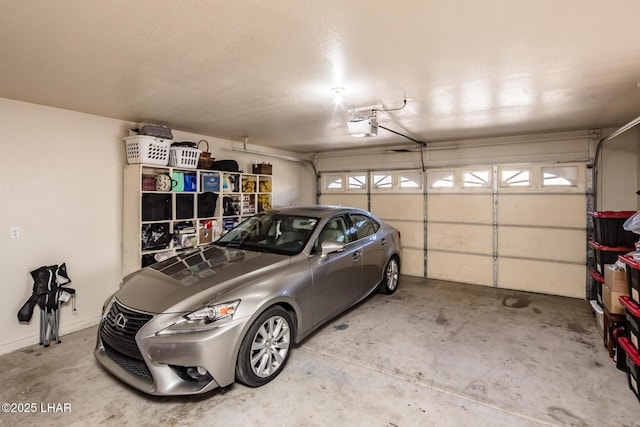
(511, 226)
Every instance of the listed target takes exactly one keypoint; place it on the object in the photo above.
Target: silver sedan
(233, 310)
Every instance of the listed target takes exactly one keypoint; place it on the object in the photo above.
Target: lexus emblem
(120, 321)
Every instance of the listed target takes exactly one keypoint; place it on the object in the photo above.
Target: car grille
(135, 366)
(119, 328)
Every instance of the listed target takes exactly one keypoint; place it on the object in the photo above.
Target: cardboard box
(615, 284)
(610, 300)
(616, 278)
(205, 235)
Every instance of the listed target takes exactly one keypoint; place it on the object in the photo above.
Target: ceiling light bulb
(337, 94)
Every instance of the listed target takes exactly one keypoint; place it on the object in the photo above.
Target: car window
(363, 225)
(271, 232)
(336, 229)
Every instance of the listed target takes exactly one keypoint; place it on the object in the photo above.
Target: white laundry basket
(184, 157)
(147, 150)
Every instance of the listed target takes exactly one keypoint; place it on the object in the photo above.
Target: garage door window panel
(333, 182)
(515, 177)
(382, 181)
(411, 181)
(565, 176)
(441, 179)
(397, 181)
(476, 179)
(356, 182)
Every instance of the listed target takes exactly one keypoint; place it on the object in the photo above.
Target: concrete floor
(433, 354)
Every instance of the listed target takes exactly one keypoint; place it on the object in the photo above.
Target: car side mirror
(331, 246)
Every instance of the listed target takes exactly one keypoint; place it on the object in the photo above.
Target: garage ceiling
(265, 69)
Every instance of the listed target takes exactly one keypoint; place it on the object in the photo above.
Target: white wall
(618, 176)
(61, 183)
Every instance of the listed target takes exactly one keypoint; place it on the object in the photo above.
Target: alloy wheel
(392, 274)
(270, 346)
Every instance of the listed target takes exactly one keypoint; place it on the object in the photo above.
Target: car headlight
(211, 313)
(202, 319)
(106, 307)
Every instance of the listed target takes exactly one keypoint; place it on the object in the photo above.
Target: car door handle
(383, 241)
(356, 256)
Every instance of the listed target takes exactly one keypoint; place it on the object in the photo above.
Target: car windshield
(271, 232)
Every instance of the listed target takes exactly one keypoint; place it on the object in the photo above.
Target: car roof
(317, 211)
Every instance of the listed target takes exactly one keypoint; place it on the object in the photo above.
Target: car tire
(391, 277)
(265, 348)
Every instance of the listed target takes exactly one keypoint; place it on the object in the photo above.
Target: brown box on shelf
(261, 169)
(615, 284)
(206, 235)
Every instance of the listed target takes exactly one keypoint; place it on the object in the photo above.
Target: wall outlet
(14, 232)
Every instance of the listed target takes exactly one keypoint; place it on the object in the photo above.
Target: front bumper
(166, 359)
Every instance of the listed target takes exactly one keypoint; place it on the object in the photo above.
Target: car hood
(187, 281)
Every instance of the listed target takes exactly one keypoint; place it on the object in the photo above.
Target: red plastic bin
(606, 254)
(608, 228)
(633, 363)
(619, 355)
(633, 319)
(633, 276)
(598, 281)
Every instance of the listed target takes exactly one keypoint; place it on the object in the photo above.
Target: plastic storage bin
(619, 355)
(184, 157)
(633, 277)
(598, 311)
(608, 228)
(598, 280)
(147, 150)
(606, 254)
(633, 364)
(633, 320)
